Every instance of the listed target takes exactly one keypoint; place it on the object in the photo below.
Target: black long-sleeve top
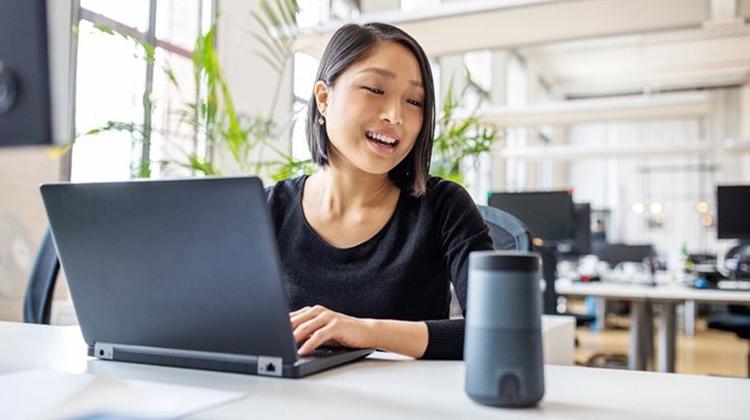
(403, 272)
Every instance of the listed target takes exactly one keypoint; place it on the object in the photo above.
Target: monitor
(733, 208)
(548, 214)
(24, 74)
(582, 218)
(617, 253)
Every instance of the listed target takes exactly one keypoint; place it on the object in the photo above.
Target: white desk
(396, 389)
(642, 296)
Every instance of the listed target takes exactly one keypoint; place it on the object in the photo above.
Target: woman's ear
(321, 91)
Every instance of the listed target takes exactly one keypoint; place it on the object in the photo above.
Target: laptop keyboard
(328, 351)
(325, 352)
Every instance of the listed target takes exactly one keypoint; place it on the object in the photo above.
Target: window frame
(206, 9)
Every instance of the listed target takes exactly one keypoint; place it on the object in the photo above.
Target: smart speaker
(503, 346)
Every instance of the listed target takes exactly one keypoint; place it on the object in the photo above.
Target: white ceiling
(710, 56)
(584, 48)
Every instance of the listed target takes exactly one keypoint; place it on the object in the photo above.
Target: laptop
(180, 273)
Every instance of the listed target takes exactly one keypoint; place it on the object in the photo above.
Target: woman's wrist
(403, 337)
(372, 327)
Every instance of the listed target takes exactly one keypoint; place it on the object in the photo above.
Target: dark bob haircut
(349, 45)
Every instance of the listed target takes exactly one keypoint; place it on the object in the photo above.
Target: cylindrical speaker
(503, 346)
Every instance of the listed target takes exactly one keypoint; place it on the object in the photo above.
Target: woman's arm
(317, 325)
(404, 337)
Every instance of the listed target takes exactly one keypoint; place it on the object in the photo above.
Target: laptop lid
(184, 264)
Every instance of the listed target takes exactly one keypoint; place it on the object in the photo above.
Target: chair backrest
(507, 231)
(38, 299)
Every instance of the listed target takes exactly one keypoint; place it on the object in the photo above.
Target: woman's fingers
(299, 311)
(305, 329)
(318, 338)
(304, 314)
(316, 326)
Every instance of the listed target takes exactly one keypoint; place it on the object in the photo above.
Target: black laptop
(180, 273)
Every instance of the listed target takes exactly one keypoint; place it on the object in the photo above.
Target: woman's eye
(374, 90)
(415, 102)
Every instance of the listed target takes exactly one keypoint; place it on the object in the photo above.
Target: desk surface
(388, 387)
(660, 292)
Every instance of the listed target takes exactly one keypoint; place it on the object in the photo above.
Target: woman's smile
(382, 141)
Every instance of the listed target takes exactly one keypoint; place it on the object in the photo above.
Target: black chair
(38, 299)
(507, 231)
(737, 320)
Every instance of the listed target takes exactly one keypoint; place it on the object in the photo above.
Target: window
(517, 82)
(116, 83)
(305, 69)
(311, 12)
(479, 65)
(315, 12)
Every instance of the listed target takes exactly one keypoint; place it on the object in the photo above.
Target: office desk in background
(388, 387)
(643, 297)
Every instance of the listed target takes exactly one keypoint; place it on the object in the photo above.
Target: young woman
(370, 243)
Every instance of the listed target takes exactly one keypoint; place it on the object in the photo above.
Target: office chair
(507, 231)
(737, 320)
(38, 299)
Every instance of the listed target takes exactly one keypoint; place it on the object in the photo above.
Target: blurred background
(635, 110)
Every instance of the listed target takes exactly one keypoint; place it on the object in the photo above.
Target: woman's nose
(392, 113)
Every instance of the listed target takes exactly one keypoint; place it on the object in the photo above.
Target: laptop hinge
(265, 365)
(104, 351)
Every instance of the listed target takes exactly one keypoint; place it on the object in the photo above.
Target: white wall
(22, 169)
(370, 6)
(250, 79)
(619, 183)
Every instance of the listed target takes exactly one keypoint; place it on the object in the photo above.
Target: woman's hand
(318, 325)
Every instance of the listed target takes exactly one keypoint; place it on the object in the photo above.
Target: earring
(322, 120)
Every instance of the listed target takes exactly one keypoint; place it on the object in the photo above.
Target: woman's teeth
(390, 141)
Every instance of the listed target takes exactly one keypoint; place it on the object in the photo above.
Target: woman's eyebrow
(389, 74)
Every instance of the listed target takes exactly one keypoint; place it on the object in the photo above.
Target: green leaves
(196, 164)
(278, 21)
(293, 168)
(460, 138)
(212, 115)
(246, 138)
(149, 50)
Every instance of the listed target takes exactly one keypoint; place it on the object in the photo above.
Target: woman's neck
(342, 189)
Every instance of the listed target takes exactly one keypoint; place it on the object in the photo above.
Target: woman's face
(373, 113)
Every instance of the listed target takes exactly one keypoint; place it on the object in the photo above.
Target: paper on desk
(47, 394)
(25, 395)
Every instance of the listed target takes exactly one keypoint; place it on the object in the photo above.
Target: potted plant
(248, 138)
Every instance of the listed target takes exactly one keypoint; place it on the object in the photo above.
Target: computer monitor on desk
(548, 214)
(583, 229)
(550, 217)
(733, 208)
(618, 253)
(581, 244)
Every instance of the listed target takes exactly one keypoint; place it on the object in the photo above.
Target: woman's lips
(380, 147)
